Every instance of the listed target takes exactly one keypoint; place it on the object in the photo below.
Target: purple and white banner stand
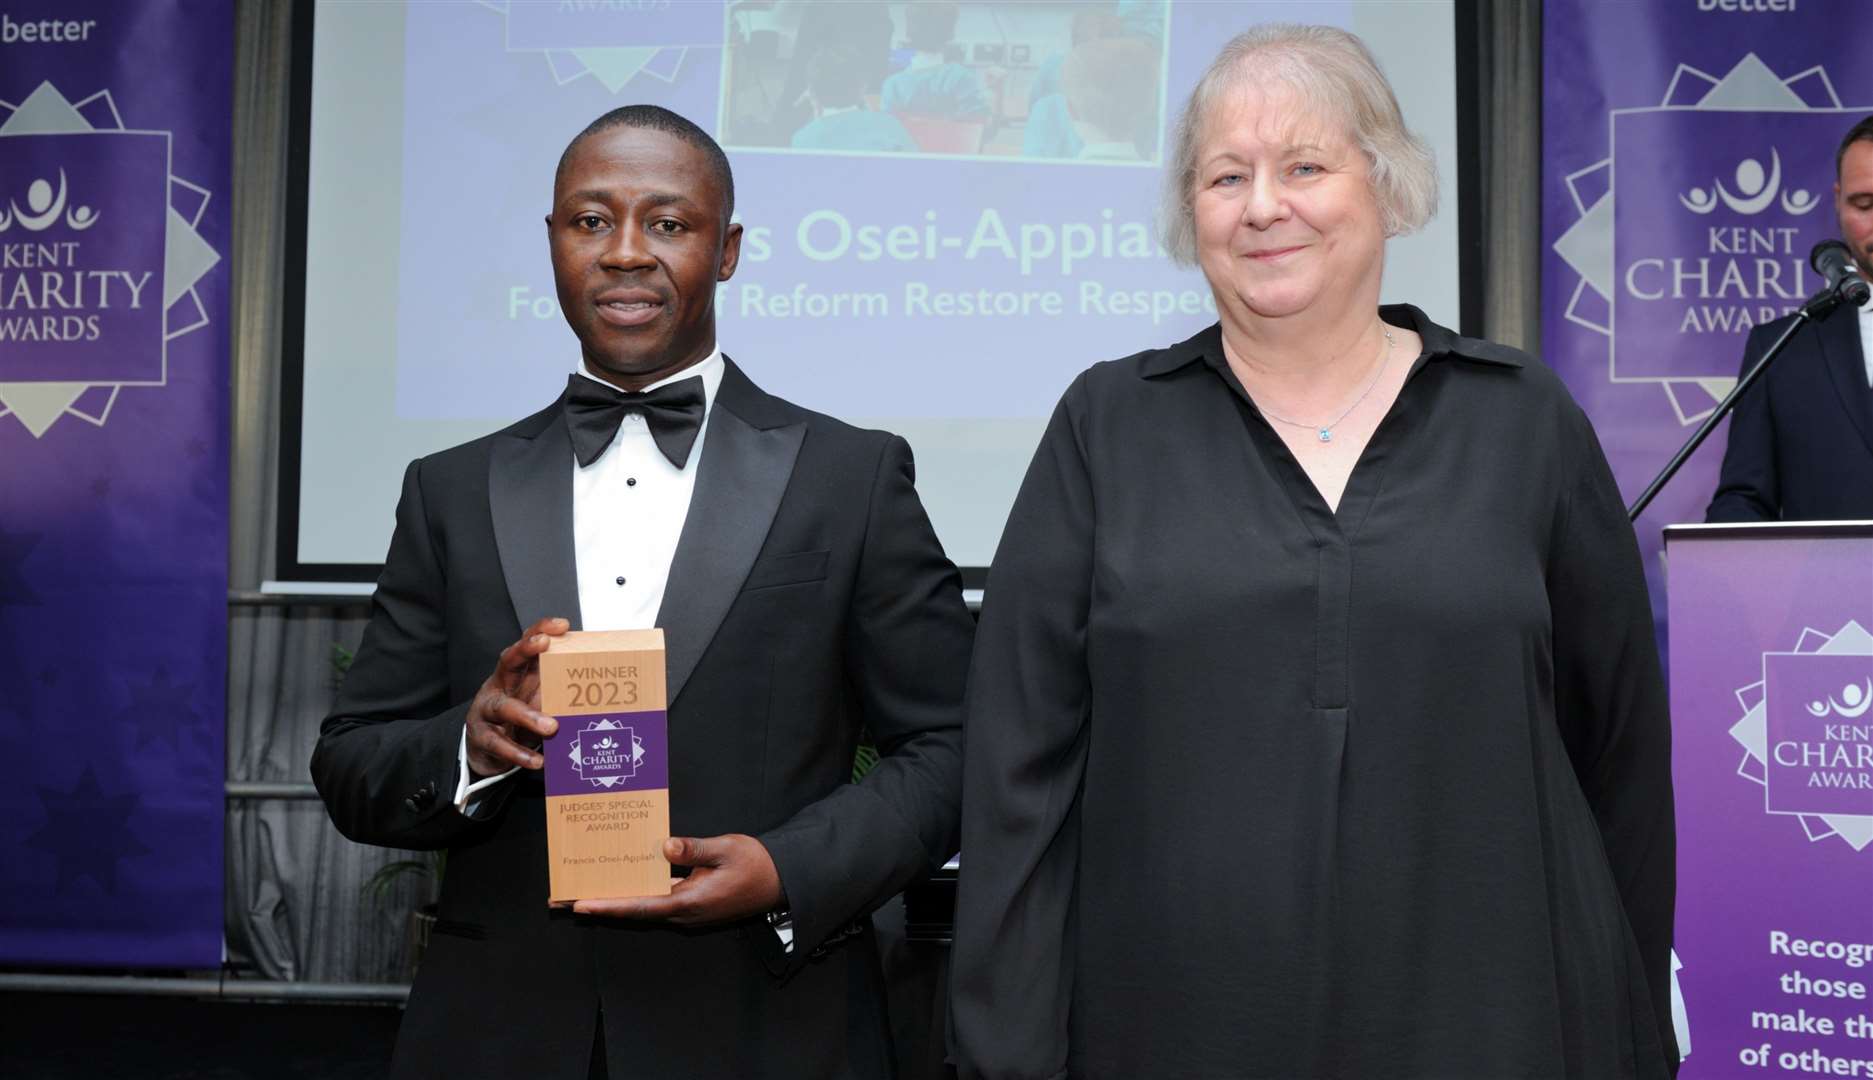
(1772, 724)
(115, 128)
(1687, 169)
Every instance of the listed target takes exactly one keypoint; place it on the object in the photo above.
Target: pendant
(1326, 435)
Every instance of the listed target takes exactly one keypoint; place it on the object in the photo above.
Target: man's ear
(731, 252)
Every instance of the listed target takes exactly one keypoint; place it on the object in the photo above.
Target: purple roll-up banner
(115, 127)
(1687, 170)
(1772, 758)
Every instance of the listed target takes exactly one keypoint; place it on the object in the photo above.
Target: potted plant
(427, 865)
(421, 919)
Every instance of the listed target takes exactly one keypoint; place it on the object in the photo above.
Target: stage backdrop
(114, 149)
(1688, 168)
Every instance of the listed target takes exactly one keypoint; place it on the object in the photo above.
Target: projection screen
(947, 288)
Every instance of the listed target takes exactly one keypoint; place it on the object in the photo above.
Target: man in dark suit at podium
(1801, 439)
(803, 595)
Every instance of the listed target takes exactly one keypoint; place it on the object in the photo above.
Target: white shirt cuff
(465, 792)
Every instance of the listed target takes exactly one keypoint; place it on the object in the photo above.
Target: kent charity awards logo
(1807, 734)
(99, 257)
(613, 41)
(606, 753)
(57, 291)
(1696, 226)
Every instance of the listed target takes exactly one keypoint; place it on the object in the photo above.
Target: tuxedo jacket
(1801, 439)
(808, 598)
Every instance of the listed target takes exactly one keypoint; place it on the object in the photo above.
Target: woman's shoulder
(1514, 372)
(1523, 393)
(1534, 383)
(1121, 376)
(1503, 380)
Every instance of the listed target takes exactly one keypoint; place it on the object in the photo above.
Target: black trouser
(596, 1070)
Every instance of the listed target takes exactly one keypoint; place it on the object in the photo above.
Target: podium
(1771, 668)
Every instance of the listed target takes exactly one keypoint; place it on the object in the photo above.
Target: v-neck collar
(1440, 343)
(1334, 525)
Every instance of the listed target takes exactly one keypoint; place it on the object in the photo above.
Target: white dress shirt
(628, 509)
(1866, 338)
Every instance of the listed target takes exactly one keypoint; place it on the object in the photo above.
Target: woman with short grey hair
(1334, 78)
(1316, 726)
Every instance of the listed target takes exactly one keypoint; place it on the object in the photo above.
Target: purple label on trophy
(83, 221)
(1820, 722)
(626, 751)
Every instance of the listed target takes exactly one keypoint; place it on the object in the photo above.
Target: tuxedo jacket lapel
(747, 461)
(530, 499)
(1840, 344)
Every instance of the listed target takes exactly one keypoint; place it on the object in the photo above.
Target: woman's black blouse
(1259, 789)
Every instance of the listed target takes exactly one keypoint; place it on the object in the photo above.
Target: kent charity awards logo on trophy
(606, 753)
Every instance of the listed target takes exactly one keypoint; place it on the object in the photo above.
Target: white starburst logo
(1806, 738)
(610, 41)
(1696, 225)
(606, 761)
(92, 218)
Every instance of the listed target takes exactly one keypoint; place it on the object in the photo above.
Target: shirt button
(630, 481)
(621, 579)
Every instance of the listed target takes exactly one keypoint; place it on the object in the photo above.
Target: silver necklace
(1325, 431)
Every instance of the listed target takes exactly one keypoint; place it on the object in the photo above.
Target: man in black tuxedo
(1801, 439)
(803, 596)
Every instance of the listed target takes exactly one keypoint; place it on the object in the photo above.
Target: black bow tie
(594, 411)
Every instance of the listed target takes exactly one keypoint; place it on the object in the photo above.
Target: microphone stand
(1818, 305)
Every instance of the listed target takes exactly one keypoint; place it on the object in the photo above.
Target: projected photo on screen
(1054, 82)
(949, 211)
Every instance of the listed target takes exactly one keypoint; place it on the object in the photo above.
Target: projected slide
(949, 212)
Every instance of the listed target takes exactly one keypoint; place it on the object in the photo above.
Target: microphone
(1832, 261)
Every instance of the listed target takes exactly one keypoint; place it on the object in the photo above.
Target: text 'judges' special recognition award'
(608, 767)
